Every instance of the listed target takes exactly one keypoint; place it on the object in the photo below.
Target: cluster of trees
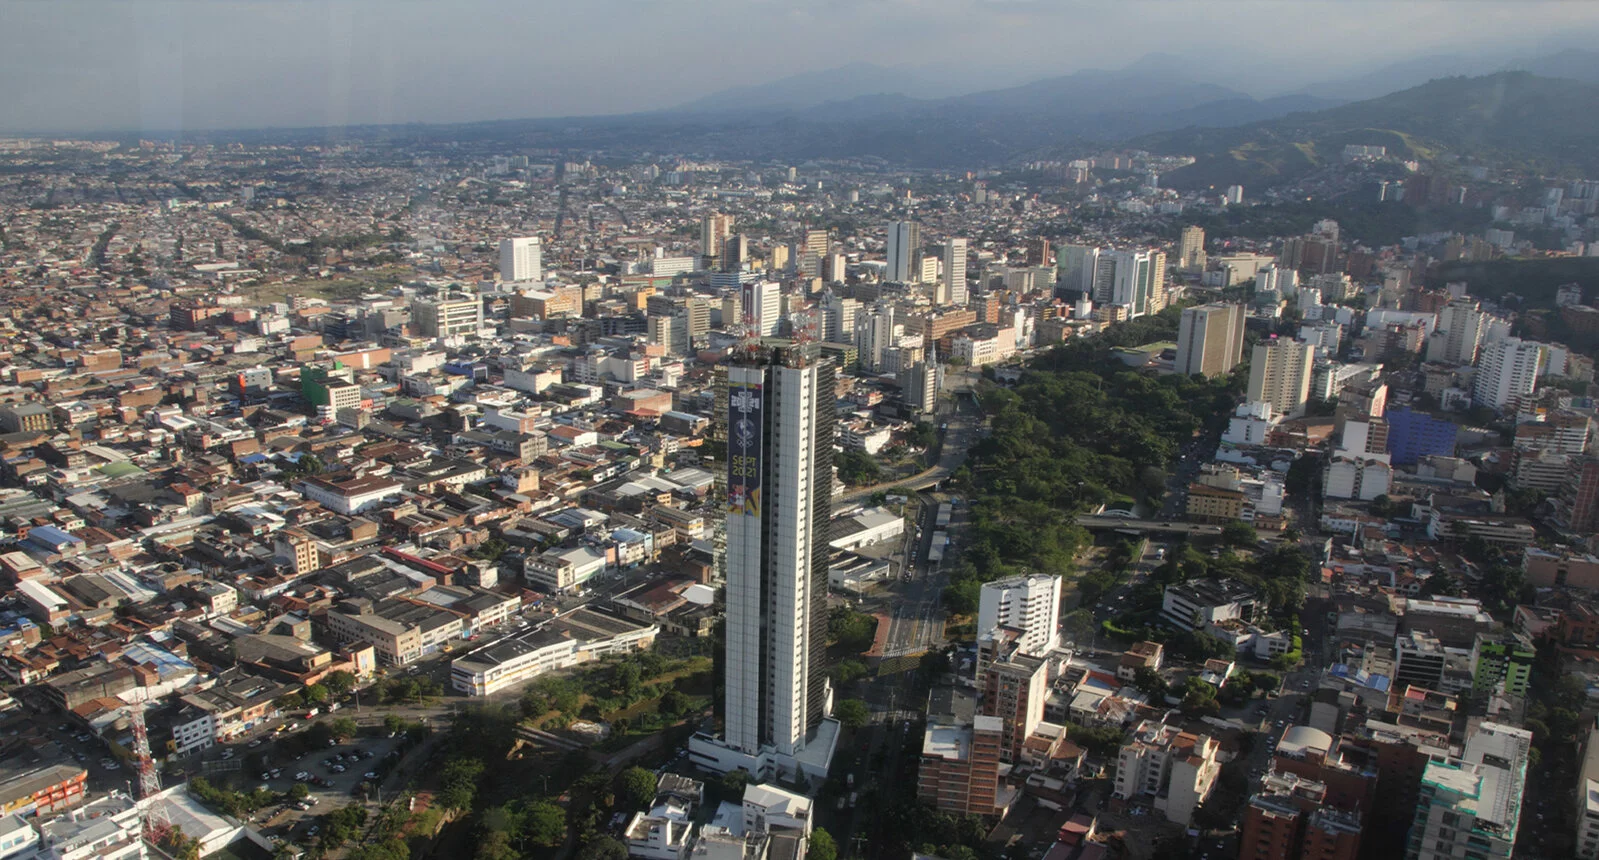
(912, 826)
(341, 825)
(235, 803)
(1079, 430)
(850, 631)
(857, 468)
(335, 685)
(514, 830)
(406, 690)
(616, 684)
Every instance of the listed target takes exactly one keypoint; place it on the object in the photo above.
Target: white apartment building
(1173, 768)
(1506, 369)
(1028, 603)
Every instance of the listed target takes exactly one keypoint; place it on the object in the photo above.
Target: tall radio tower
(157, 822)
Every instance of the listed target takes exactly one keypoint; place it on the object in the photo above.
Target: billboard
(744, 422)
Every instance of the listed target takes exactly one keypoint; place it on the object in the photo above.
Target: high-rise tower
(955, 270)
(522, 259)
(779, 431)
(904, 239)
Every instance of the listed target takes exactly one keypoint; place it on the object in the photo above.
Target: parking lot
(334, 775)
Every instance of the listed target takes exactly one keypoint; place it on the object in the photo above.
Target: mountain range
(1157, 104)
(1543, 123)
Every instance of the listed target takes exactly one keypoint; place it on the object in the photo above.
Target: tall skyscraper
(1137, 277)
(714, 230)
(522, 259)
(1075, 266)
(904, 239)
(1507, 369)
(1210, 339)
(1279, 374)
(1191, 249)
(779, 504)
(955, 270)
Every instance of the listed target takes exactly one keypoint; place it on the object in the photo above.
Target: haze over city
(93, 66)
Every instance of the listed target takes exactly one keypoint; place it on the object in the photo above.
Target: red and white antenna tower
(748, 332)
(157, 822)
(804, 333)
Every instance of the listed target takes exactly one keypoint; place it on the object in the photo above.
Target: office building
(1507, 370)
(735, 253)
(777, 411)
(1029, 604)
(1131, 279)
(448, 317)
(1279, 374)
(1191, 249)
(1210, 339)
(522, 259)
(761, 304)
(904, 240)
(1414, 435)
(1471, 806)
(1075, 266)
(919, 384)
(955, 270)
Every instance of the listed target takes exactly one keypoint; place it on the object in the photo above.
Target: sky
(131, 65)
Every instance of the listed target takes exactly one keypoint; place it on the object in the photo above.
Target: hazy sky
(67, 65)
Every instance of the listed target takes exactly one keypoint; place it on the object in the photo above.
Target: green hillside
(1543, 123)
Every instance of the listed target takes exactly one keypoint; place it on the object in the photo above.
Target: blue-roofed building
(54, 540)
(1413, 435)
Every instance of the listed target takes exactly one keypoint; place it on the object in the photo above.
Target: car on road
(369, 775)
(302, 776)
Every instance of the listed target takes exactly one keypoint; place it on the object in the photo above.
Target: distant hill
(1544, 122)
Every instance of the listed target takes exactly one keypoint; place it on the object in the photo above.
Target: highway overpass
(1132, 525)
